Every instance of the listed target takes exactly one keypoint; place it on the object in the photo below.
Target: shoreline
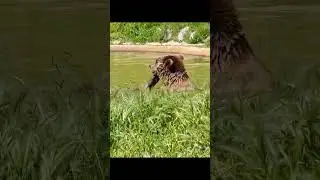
(176, 48)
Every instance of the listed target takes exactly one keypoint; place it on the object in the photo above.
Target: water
(131, 69)
(284, 34)
(32, 32)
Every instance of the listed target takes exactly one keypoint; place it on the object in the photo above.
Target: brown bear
(234, 66)
(235, 69)
(170, 69)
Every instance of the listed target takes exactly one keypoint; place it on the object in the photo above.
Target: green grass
(272, 136)
(52, 132)
(160, 124)
(159, 32)
(58, 132)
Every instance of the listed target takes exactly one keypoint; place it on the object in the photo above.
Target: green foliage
(159, 124)
(52, 132)
(271, 136)
(158, 32)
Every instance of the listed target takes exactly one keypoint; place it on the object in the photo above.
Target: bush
(159, 32)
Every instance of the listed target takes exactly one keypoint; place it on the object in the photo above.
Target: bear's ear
(180, 57)
(168, 62)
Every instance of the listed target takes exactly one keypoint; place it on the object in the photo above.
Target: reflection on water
(131, 69)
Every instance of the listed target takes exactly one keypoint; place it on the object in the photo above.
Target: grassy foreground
(275, 136)
(160, 124)
(160, 32)
(52, 132)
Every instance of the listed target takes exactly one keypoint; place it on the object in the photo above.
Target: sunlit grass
(160, 124)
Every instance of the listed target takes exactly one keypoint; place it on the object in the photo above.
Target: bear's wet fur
(170, 69)
(234, 67)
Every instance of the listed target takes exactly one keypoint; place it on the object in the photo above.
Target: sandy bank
(162, 48)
